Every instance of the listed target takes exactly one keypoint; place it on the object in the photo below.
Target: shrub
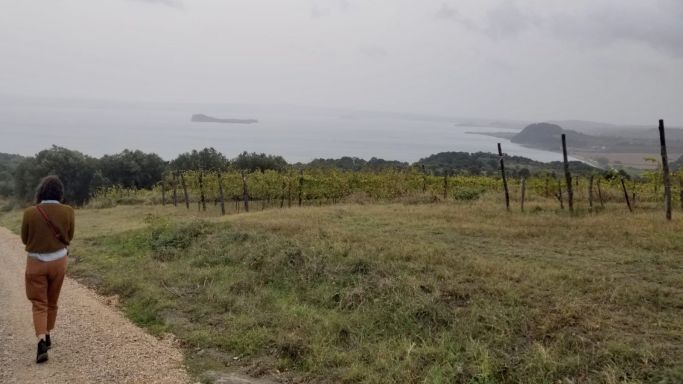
(168, 240)
(468, 194)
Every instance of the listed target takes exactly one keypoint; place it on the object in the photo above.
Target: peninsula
(199, 118)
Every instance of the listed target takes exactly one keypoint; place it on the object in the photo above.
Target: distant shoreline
(200, 118)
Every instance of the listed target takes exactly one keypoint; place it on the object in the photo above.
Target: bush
(468, 194)
(168, 240)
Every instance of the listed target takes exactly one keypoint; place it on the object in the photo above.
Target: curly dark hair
(50, 188)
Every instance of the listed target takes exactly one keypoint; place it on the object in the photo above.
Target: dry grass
(405, 293)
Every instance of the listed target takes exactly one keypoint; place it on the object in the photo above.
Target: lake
(298, 134)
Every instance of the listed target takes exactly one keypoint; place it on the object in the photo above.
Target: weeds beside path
(93, 342)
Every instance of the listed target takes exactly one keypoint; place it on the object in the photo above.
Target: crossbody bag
(55, 230)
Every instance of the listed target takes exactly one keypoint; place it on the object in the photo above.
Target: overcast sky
(607, 60)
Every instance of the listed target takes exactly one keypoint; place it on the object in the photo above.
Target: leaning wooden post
(590, 192)
(567, 175)
(502, 173)
(665, 168)
(175, 190)
(523, 192)
(184, 185)
(301, 187)
(222, 195)
(628, 201)
(201, 190)
(245, 192)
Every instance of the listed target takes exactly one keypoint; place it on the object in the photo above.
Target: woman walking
(47, 230)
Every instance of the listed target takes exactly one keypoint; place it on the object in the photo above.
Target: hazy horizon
(299, 134)
(526, 60)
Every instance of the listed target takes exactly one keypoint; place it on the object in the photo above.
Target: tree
(132, 169)
(260, 162)
(206, 159)
(75, 169)
(8, 165)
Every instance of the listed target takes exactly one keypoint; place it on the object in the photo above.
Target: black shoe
(48, 342)
(42, 352)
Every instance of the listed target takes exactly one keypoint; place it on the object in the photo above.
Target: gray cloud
(658, 27)
(323, 8)
(373, 51)
(449, 13)
(168, 3)
(506, 20)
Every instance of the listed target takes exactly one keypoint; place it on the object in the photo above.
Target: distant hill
(677, 164)
(488, 164)
(549, 136)
(479, 163)
(348, 163)
(199, 118)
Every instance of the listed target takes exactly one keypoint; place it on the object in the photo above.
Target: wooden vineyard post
(590, 192)
(523, 193)
(301, 187)
(201, 190)
(665, 169)
(633, 194)
(424, 179)
(567, 175)
(163, 193)
(602, 202)
(245, 192)
(445, 185)
(502, 173)
(628, 201)
(175, 190)
(282, 197)
(547, 187)
(559, 193)
(222, 195)
(184, 185)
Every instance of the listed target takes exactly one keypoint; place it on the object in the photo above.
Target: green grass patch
(438, 293)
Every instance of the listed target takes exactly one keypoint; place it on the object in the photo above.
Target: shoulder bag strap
(58, 234)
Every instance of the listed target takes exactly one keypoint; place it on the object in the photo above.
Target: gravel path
(92, 343)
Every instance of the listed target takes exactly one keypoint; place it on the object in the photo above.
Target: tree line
(83, 175)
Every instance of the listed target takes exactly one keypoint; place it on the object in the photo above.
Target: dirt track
(92, 343)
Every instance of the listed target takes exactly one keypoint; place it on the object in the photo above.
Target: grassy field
(457, 292)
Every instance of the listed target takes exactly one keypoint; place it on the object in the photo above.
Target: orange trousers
(43, 284)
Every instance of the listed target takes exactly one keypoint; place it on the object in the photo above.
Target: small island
(200, 118)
